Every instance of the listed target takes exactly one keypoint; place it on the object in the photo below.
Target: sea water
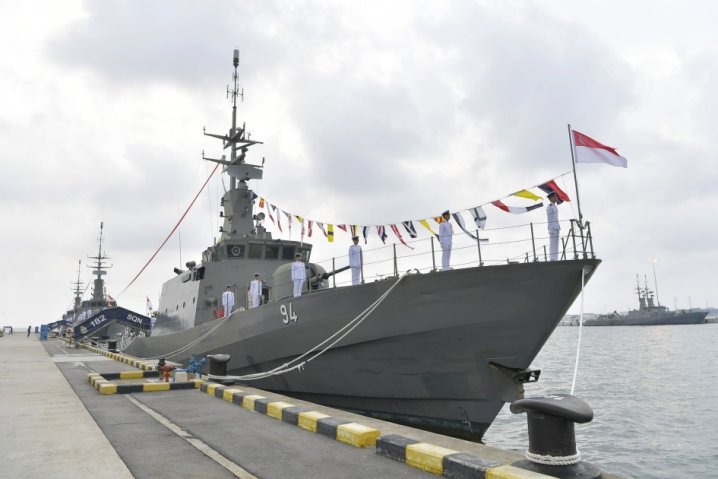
(653, 391)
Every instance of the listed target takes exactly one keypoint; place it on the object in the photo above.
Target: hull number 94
(287, 313)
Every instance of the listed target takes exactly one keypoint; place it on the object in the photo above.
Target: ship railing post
(478, 245)
(533, 242)
(396, 266)
(433, 257)
(545, 256)
(583, 243)
(590, 239)
(573, 236)
(361, 265)
(334, 273)
(564, 242)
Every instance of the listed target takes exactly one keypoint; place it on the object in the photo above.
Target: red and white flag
(588, 150)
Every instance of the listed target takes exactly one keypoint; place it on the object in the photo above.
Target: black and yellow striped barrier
(434, 459)
(102, 383)
(348, 432)
(447, 462)
(138, 363)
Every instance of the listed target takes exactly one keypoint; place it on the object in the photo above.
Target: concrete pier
(43, 424)
(56, 424)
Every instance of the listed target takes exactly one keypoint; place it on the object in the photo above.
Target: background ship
(438, 350)
(648, 313)
(100, 300)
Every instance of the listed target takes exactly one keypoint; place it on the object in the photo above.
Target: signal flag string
(171, 232)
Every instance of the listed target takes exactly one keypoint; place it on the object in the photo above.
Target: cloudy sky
(371, 113)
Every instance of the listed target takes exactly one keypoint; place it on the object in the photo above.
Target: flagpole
(575, 179)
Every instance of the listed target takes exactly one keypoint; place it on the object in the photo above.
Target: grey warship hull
(679, 317)
(442, 351)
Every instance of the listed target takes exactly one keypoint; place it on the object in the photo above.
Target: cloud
(370, 114)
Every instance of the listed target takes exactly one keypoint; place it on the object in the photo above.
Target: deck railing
(507, 245)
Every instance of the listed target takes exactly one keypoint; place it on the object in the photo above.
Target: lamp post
(655, 281)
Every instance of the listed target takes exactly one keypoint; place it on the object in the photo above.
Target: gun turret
(329, 274)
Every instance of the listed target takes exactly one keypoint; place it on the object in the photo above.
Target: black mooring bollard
(218, 366)
(112, 346)
(552, 442)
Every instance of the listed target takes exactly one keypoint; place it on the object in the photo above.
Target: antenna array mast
(237, 202)
(99, 269)
(77, 289)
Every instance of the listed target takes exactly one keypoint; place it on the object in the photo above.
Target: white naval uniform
(298, 276)
(553, 231)
(355, 263)
(228, 302)
(446, 233)
(255, 292)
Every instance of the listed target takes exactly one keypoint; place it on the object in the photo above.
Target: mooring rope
(554, 460)
(580, 330)
(193, 342)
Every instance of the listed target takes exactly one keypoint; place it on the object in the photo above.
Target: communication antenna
(655, 281)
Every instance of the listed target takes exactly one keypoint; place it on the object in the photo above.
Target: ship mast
(238, 200)
(649, 293)
(639, 291)
(655, 280)
(98, 292)
(235, 92)
(77, 289)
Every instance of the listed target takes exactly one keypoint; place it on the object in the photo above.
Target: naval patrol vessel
(648, 313)
(100, 300)
(437, 350)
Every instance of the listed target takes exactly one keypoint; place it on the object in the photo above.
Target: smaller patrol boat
(100, 300)
(99, 317)
(649, 313)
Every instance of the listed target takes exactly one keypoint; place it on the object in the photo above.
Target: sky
(370, 112)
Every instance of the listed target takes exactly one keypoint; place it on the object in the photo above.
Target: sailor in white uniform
(446, 233)
(299, 274)
(228, 301)
(553, 226)
(255, 291)
(355, 261)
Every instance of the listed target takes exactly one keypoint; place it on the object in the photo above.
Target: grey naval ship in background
(442, 351)
(100, 300)
(649, 313)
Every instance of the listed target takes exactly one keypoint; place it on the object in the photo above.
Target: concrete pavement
(44, 427)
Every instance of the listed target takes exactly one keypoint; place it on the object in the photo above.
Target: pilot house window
(255, 251)
(272, 252)
(288, 252)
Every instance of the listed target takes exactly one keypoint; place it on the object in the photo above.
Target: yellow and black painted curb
(348, 432)
(447, 462)
(102, 383)
(139, 364)
(435, 459)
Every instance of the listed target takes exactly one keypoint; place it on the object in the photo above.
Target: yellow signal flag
(425, 224)
(301, 220)
(330, 233)
(526, 194)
